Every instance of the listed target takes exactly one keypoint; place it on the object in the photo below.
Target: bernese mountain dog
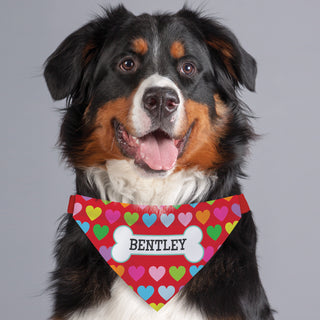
(153, 116)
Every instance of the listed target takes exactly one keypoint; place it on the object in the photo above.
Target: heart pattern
(149, 219)
(156, 278)
(236, 209)
(105, 252)
(157, 273)
(166, 292)
(100, 231)
(185, 218)
(131, 218)
(203, 216)
(230, 226)
(177, 273)
(136, 272)
(208, 253)
(167, 219)
(145, 292)
(214, 232)
(194, 269)
(118, 269)
(112, 215)
(85, 226)
(93, 213)
(156, 307)
(77, 208)
(221, 213)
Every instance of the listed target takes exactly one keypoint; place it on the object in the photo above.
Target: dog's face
(153, 90)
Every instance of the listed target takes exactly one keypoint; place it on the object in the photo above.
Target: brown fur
(226, 53)
(203, 148)
(101, 143)
(140, 46)
(177, 50)
(88, 53)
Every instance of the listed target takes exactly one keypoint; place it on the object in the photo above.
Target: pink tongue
(159, 153)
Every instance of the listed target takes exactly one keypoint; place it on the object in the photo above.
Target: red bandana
(157, 250)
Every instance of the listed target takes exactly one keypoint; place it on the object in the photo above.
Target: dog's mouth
(156, 151)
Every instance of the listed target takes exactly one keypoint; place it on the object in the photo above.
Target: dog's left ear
(223, 45)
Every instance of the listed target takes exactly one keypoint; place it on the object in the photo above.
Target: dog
(153, 117)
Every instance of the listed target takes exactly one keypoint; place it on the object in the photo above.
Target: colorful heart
(208, 253)
(194, 269)
(221, 213)
(149, 220)
(112, 216)
(77, 208)
(100, 231)
(119, 269)
(156, 307)
(236, 209)
(84, 226)
(131, 218)
(157, 273)
(167, 219)
(145, 292)
(229, 226)
(136, 273)
(185, 218)
(166, 292)
(177, 273)
(214, 232)
(105, 252)
(203, 216)
(93, 213)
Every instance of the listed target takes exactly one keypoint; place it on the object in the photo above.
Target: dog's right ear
(65, 67)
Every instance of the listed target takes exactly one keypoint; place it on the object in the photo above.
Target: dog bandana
(156, 250)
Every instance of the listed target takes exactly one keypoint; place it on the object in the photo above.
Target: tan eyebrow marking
(177, 50)
(140, 46)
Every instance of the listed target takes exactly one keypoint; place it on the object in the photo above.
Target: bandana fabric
(157, 250)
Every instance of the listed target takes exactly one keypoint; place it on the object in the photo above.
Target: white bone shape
(127, 243)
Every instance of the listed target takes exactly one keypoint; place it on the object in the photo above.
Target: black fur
(82, 70)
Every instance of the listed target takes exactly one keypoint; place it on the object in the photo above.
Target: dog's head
(156, 90)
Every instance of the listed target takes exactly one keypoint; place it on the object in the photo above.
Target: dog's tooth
(136, 140)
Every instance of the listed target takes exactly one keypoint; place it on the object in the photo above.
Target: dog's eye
(127, 64)
(188, 69)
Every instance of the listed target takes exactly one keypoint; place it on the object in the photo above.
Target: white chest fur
(125, 304)
(122, 182)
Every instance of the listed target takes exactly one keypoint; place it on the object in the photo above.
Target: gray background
(284, 165)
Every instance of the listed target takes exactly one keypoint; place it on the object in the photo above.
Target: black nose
(157, 100)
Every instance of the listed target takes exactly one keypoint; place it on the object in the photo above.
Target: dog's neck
(121, 182)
